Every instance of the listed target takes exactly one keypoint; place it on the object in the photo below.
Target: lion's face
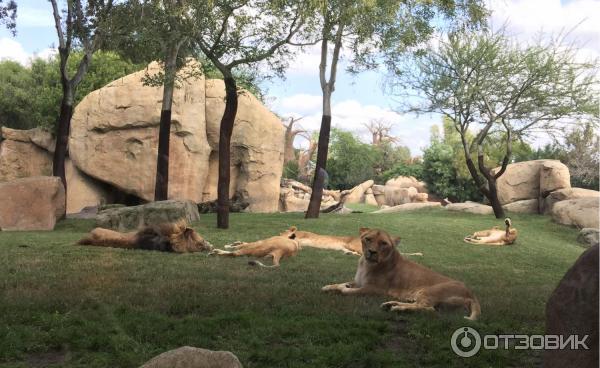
(378, 246)
(290, 233)
(196, 240)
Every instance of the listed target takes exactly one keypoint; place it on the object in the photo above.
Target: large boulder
(408, 207)
(135, 217)
(114, 138)
(407, 182)
(20, 157)
(524, 206)
(568, 193)
(398, 195)
(573, 310)
(33, 203)
(531, 179)
(370, 198)
(190, 357)
(470, 207)
(581, 212)
(357, 194)
(83, 191)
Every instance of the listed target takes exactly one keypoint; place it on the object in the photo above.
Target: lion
(347, 244)
(382, 270)
(494, 236)
(166, 237)
(277, 247)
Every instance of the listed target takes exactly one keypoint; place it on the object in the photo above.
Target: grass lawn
(69, 306)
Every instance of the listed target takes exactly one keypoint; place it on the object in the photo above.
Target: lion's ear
(363, 230)
(292, 236)
(293, 228)
(396, 240)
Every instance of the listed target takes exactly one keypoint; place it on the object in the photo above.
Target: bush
(290, 170)
(350, 162)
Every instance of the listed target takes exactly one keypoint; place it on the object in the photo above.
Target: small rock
(190, 357)
(589, 237)
(470, 207)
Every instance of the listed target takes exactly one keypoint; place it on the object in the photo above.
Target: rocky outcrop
(581, 212)
(135, 217)
(295, 196)
(407, 182)
(408, 207)
(396, 195)
(524, 206)
(470, 207)
(114, 138)
(573, 310)
(531, 180)
(33, 203)
(83, 191)
(357, 194)
(565, 194)
(190, 357)
(20, 157)
(589, 237)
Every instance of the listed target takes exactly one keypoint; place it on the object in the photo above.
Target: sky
(357, 99)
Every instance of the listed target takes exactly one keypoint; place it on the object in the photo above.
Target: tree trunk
(227, 121)
(62, 135)
(494, 201)
(314, 205)
(161, 186)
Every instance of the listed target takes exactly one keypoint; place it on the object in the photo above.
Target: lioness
(382, 270)
(167, 237)
(494, 236)
(347, 244)
(277, 247)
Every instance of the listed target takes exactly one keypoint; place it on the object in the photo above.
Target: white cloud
(11, 49)
(299, 104)
(351, 115)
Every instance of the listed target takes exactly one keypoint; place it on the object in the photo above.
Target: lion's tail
(470, 240)
(259, 263)
(474, 308)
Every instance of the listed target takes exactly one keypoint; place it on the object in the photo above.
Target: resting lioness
(277, 247)
(382, 270)
(167, 237)
(494, 236)
(347, 244)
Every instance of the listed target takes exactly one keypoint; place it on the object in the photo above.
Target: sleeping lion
(382, 270)
(494, 236)
(276, 247)
(167, 237)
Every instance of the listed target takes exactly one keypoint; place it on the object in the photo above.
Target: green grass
(100, 307)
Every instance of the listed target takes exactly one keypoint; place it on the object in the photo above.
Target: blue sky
(357, 99)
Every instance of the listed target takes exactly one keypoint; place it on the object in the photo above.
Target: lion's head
(186, 239)
(378, 246)
(290, 233)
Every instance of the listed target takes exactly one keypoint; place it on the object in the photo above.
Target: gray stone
(589, 237)
(190, 357)
(573, 310)
(134, 217)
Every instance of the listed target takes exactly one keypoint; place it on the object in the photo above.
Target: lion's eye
(383, 244)
(368, 240)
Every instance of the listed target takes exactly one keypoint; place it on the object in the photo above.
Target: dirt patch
(47, 358)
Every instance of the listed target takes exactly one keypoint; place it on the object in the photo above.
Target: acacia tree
(84, 26)
(380, 130)
(239, 33)
(483, 81)
(372, 31)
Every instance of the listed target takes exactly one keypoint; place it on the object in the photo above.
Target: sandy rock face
(83, 191)
(470, 207)
(114, 138)
(531, 179)
(190, 357)
(357, 194)
(568, 193)
(20, 157)
(581, 212)
(524, 206)
(34, 203)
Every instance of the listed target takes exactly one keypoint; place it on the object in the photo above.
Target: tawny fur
(277, 247)
(382, 270)
(168, 237)
(347, 244)
(494, 236)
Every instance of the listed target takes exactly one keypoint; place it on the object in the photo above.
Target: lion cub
(494, 236)
(382, 270)
(277, 247)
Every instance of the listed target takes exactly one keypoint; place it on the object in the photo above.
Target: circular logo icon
(465, 342)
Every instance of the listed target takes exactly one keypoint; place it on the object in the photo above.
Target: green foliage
(388, 155)
(443, 178)
(30, 96)
(116, 310)
(290, 170)
(350, 161)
